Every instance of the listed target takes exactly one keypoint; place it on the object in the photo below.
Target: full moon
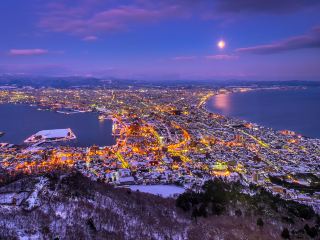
(221, 44)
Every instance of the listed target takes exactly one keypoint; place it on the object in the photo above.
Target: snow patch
(162, 190)
(33, 200)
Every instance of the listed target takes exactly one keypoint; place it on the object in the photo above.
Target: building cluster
(168, 136)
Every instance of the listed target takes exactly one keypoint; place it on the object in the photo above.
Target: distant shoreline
(271, 126)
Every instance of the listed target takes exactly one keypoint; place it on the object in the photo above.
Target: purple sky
(162, 39)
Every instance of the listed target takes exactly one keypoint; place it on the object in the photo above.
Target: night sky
(167, 40)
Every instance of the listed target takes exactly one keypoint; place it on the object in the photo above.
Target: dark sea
(21, 121)
(293, 109)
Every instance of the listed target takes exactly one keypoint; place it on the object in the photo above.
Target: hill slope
(70, 206)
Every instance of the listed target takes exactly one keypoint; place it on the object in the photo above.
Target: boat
(1, 134)
(102, 117)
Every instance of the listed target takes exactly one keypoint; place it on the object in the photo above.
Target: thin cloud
(264, 6)
(27, 52)
(90, 38)
(84, 20)
(221, 57)
(184, 58)
(208, 57)
(309, 40)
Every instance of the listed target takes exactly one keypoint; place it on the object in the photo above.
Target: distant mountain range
(92, 82)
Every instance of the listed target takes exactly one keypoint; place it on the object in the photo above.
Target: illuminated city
(167, 136)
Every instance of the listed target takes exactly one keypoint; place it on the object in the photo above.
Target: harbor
(23, 121)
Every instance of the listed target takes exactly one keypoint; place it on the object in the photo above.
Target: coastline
(70, 142)
(248, 119)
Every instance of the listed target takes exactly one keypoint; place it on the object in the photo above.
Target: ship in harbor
(103, 117)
